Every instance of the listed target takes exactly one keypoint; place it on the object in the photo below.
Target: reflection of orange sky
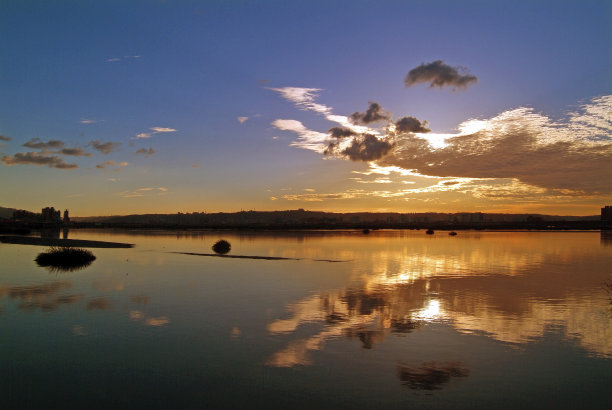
(510, 290)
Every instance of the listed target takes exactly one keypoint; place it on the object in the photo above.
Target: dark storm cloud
(439, 74)
(35, 158)
(373, 114)
(411, 124)
(366, 147)
(340, 132)
(105, 147)
(38, 144)
(145, 152)
(5, 138)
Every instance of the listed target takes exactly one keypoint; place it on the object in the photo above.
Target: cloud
(373, 114)
(145, 152)
(307, 139)
(351, 140)
(36, 158)
(574, 154)
(366, 147)
(155, 130)
(162, 129)
(105, 147)
(411, 124)
(36, 143)
(140, 192)
(87, 121)
(516, 149)
(242, 120)
(77, 152)
(341, 132)
(319, 197)
(439, 74)
(5, 138)
(111, 163)
(115, 59)
(304, 98)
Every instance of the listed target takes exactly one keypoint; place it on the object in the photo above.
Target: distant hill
(6, 212)
(328, 220)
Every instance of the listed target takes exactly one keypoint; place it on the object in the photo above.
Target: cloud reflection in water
(511, 293)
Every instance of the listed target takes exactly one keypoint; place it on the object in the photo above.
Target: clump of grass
(221, 246)
(65, 258)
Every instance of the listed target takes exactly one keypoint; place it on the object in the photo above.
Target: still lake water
(393, 319)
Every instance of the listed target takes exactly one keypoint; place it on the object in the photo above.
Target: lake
(389, 319)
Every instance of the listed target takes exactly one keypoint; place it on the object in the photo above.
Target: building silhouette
(49, 214)
(606, 216)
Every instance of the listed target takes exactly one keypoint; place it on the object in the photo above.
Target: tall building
(49, 214)
(606, 215)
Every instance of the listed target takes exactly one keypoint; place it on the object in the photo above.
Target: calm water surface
(393, 319)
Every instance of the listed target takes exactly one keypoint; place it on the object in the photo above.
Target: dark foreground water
(393, 319)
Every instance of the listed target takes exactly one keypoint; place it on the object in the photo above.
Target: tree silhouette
(221, 247)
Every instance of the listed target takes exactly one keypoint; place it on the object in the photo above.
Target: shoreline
(80, 243)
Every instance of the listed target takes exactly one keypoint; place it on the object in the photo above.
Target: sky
(116, 107)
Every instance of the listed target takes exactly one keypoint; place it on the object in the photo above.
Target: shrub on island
(65, 258)
(221, 247)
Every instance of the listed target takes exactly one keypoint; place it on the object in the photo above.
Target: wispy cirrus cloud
(439, 74)
(304, 98)
(36, 158)
(116, 59)
(141, 192)
(88, 121)
(307, 139)
(155, 130)
(162, 129)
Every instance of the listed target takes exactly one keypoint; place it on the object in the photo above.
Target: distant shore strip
(268, 258)
(64, 243)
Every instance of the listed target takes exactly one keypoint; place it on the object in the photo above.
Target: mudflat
(81, 243)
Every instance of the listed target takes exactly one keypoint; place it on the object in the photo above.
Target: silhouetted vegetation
(302, 219)
(221, 246)
(66, 259)
(430, 232)
(15, 230)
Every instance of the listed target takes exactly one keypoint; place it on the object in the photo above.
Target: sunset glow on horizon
(208, 106)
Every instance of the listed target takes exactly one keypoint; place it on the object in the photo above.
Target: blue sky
(112, 71)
